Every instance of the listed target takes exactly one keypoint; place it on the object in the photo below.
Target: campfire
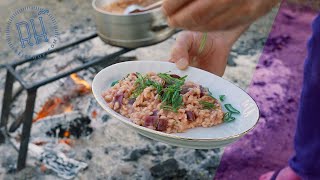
(62, 104)
(62, 118)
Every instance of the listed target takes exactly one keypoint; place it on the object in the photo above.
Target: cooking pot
(133, 30)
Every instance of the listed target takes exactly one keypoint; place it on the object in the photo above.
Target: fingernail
(182, 63)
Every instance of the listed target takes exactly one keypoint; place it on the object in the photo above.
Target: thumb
(180, 50)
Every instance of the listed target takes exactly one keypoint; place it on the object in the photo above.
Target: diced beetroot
(118, 98)
(184, 90)
(132, 100)
(166, 85)
(202, 91)
(175, 76)
(190, 116)
(155, 113)
(150, 121)
(162, 125)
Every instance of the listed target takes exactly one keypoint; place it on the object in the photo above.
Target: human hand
(209, 15)
(213, 57)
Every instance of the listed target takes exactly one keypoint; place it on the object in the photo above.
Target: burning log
(59, 101)
(60, 104)
(76, 128)
(67, 125)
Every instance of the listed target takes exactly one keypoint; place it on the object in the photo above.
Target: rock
(197, 175)
(105, 118)
(88, 154)
(200, 154)
(106, 151)
(9, 166)
(126, 169)
(216, 150)
(231, 61)
(136, 154)
(210, 164)
(167, 169)
(159, 149)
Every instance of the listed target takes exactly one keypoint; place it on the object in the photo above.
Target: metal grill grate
(13, 75)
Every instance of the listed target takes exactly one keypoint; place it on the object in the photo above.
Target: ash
(86, 136)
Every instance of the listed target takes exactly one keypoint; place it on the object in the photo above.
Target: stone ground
(111, 153)
(276, 87)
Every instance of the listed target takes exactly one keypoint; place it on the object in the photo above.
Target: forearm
(215, 15)
(314, 4)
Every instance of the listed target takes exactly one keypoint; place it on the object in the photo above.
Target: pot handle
(159, 24)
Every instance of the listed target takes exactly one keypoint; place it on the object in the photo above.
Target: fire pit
(31, 88)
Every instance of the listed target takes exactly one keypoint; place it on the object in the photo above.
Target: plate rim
(127, 121)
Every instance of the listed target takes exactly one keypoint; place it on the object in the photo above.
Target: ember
(77, 128)
(48, 108)
(61, 104)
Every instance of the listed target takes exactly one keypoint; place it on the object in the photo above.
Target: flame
(56, 105)
(48, 108)
(85, 85)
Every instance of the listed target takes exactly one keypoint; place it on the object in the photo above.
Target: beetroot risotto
(166, 102)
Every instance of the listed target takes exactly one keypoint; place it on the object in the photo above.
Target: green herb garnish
(222, 98)
(228, 117)
(210, 94)
(140, 85)
(156, 85)
(231, 109)
(207, 105)
(203, 42)
(171, 80)
(170, 95)
(114, 83)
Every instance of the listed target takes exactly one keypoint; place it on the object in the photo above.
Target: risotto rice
(156, 101)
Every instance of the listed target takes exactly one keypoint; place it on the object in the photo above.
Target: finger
(169, 7)
(198, 39)
(228, 21)
(198, 13)
(180, 50)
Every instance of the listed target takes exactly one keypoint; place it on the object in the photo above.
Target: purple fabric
(306, 161)
(276, 87)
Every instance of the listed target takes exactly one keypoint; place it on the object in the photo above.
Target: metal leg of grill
(7, 97)
(27, 124)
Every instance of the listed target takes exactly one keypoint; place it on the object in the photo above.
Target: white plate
(198, 138)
